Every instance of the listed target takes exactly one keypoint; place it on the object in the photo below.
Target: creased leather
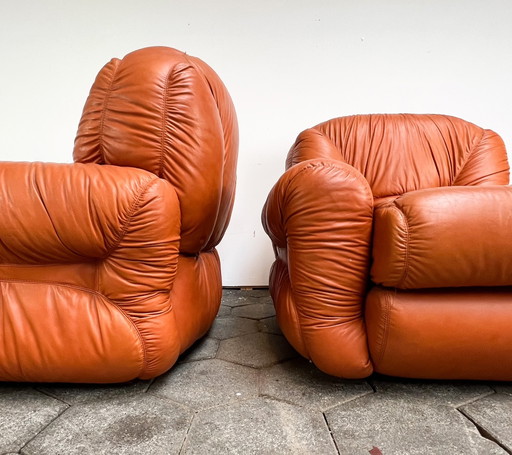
(440, 220)
(321, 212)
(108, 268)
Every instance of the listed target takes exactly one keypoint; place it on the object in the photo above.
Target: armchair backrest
(168, 113)
(398, 153)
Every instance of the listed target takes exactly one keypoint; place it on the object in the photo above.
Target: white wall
(288, 65)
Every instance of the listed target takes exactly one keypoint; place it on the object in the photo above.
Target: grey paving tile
(503, 387)
(259, 426)
(135, 425)
(224, 311)
(252, 293)
(494, 415)
(24, 412)
(269, 325)
(256, 350)
(449, 393)
(257, 293)
(404, 426)
(299, 382)
(80, 393)
(224, 328)
(207, 383)
(206, 348)
(255, 311)
(234, 299)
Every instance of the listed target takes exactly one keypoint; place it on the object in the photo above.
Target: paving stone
(300, 382)
(494, 415)
(252, 293)
(259, 426)
(503, 387)
(256, 350)
(254, 311)
(257, 293)
(449, 393)
(234, 298)
(224, 328)
(224, 311)
(379, 423)
(129, 425)
(240, 298)
(207, 383)
(206, 348)
(269, 325)
(80, 393)
(23, 413)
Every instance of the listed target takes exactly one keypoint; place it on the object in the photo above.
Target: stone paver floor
(244, 390)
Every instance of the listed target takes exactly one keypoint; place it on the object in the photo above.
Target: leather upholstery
(444, 237)
(428, 187)
(109, 272)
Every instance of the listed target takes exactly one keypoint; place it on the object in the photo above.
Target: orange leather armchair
(393, 248)
(108, 266)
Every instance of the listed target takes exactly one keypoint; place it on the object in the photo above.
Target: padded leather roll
(86, 273)
(444, 237)
(441, 334)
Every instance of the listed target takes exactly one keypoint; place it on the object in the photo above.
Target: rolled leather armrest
(319, 217)
(118, 226)
(444, 237)
(68, 213)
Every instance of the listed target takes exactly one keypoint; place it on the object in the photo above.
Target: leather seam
(164, 117)
(133, 209)
(407, 239)
(297, 311)
(104, 110)
(98, 294)
(387, 317)
(468, 155)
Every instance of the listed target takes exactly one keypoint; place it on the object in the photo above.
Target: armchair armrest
(69, 213)
(319, 218)
(123, 223)
(444, 237)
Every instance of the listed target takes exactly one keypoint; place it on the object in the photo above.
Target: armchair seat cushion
(444, 237)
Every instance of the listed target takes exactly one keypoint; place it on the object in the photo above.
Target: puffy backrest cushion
(398, 153)
(168, 113)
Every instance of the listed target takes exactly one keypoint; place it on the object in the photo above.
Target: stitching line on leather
(387, 316)
(105, 108)
(469, 154)
(407, 239)
(98, 294)
(135, 206)
(203, 76)
(164, 118)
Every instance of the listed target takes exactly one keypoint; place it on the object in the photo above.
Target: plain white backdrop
(287, 64)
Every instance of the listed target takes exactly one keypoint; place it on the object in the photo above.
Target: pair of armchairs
(390, 233)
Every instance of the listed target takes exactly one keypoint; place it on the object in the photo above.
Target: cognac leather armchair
(108, 265)
(393, 246)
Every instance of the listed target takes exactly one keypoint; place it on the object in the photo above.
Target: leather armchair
(108, 266)
(393, 248)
